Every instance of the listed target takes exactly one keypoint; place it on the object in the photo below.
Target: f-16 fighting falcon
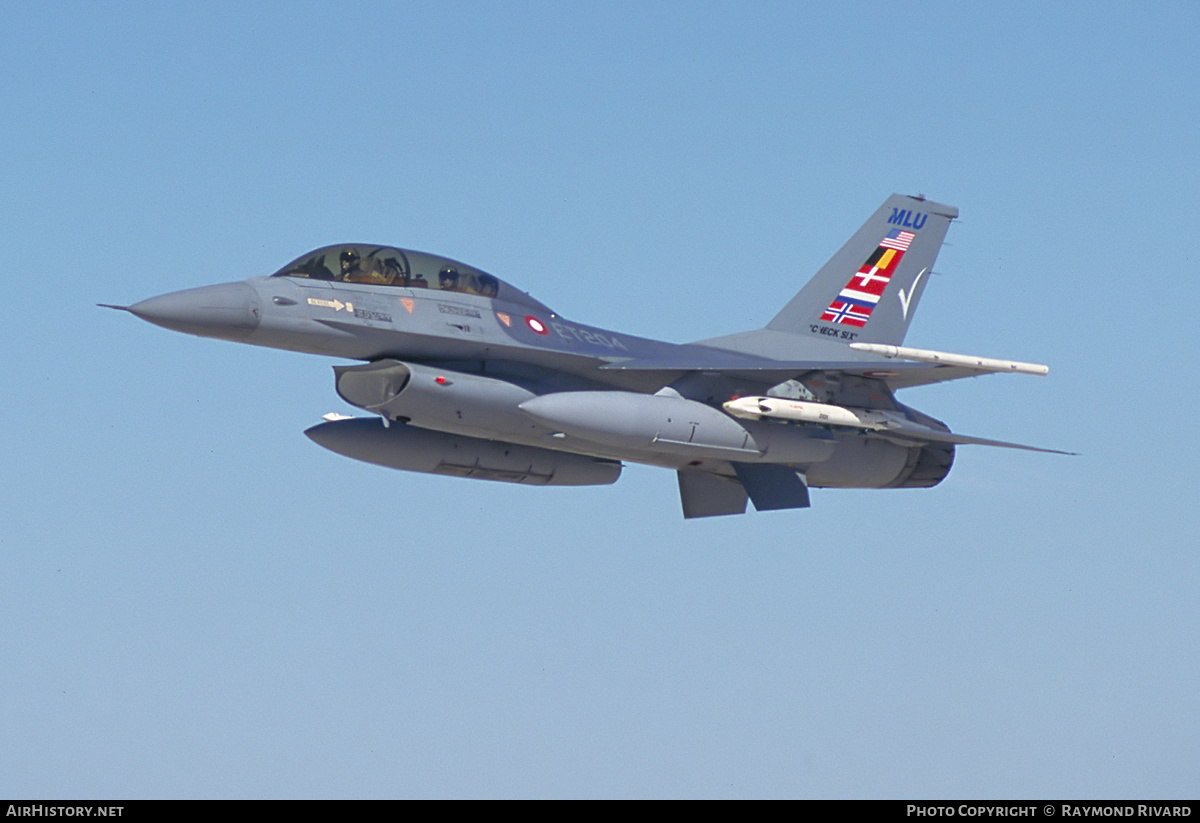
(466, 375)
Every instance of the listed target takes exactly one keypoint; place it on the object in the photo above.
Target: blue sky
(196, 601)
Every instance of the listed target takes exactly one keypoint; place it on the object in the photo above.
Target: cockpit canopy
(389, 266)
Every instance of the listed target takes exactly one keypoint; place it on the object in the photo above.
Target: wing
(919, 367)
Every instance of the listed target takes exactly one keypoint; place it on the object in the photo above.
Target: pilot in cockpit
(349, 260)
(488, 286)
(371, 270)
(448, 278)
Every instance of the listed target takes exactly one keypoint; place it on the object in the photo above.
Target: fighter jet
(463, 374)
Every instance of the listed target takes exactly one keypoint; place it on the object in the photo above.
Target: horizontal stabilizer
(923, 434)
(880, 423)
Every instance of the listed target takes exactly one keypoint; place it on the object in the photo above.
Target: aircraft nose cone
(229, 311)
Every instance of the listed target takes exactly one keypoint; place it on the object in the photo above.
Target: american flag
(897, 240)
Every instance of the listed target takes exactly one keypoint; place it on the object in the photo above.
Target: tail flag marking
(855, 302)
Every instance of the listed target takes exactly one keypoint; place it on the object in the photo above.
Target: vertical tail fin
(871, 287)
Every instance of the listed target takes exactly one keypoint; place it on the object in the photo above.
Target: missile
(941, 358)
(779, 408)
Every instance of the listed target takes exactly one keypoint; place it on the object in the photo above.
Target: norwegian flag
(847, 313)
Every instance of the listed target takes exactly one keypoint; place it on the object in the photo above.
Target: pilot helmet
(349, 259)
(448, 276)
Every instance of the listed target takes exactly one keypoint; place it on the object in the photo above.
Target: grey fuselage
(504, 354)
(472, 377)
